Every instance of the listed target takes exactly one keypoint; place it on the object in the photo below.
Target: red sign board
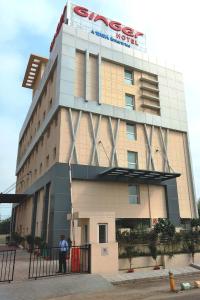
(114, 25)
(124, 33)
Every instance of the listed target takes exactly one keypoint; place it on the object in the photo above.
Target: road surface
(157, 289)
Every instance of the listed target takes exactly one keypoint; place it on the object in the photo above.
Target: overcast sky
(172, 32)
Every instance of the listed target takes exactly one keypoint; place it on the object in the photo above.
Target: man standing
(63, 248)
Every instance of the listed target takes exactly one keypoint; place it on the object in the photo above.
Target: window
(56, 120)
(45, 91)
(40, 168)
(86, 234)
(132, 160)
(131, 131)
(133, 194)
(39, 103)
(44, 114)
(54, 152)
(103, 233)
(129, 102)
(128, 76)
(50, 104)
(42, 140)
(47, 160)
(48, 132)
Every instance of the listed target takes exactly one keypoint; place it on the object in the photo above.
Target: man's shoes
(59, 271)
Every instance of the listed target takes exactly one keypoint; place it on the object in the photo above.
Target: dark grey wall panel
(59, 203)
(172, 201)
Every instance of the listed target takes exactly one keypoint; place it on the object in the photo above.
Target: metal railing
(7, 265)
(49, 261)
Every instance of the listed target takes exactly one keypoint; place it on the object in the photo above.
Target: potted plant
(130, 255)
(195, 224)
(154, 253)
(30, 241)
(17, 238)
(191, 248)
(38, 245)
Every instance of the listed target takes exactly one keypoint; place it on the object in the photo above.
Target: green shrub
(38, 241)
(17, 238)
(30, 240)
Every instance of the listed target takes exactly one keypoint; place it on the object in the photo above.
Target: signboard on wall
(101, 26)
(82, 18)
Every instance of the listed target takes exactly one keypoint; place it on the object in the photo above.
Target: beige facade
(91, 196)
(176, 140)
(145, 87)
(24, 217)
(54, 144)
(98, 109)
(44, 105)
(104, 146)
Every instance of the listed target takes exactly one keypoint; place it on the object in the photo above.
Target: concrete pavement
(73, 286)
(53, 287)
(139, 275)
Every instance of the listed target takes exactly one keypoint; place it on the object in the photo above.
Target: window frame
(127, 79)
(133, 134)
(54, 153)
(106, 233)
(41, 166)
(128, 106)
(132, 163)
(47, 160)
(137, 194)
(50, 103)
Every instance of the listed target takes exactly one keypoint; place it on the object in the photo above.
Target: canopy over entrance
(144, 175)
(12, 198)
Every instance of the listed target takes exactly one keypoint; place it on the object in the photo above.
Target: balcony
(156, 107)
(150, 89)
(149, 97)
(149, 80)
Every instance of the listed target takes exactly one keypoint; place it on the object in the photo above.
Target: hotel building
(105, 142)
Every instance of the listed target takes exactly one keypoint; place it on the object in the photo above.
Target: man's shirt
(63, 246)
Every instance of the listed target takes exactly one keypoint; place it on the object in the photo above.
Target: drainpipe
(149, 204)
(72, 211)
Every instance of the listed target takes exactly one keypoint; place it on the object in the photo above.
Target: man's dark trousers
(62, 261)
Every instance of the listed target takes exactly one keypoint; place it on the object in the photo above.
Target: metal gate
(45, 262)
(7, 265)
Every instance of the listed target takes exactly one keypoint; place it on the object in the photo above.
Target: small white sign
(104, 251)
(69, 217)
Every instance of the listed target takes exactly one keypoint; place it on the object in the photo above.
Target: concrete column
(60, 204)
(99, 79)
(45, 212)
(86, 75)
(34, 212)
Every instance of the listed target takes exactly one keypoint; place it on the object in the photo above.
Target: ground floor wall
(113, 196)
(47, 210)
(164, 261)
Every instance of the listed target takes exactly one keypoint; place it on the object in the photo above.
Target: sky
(172, 33)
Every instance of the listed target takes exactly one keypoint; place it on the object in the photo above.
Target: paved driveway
(53, 287)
